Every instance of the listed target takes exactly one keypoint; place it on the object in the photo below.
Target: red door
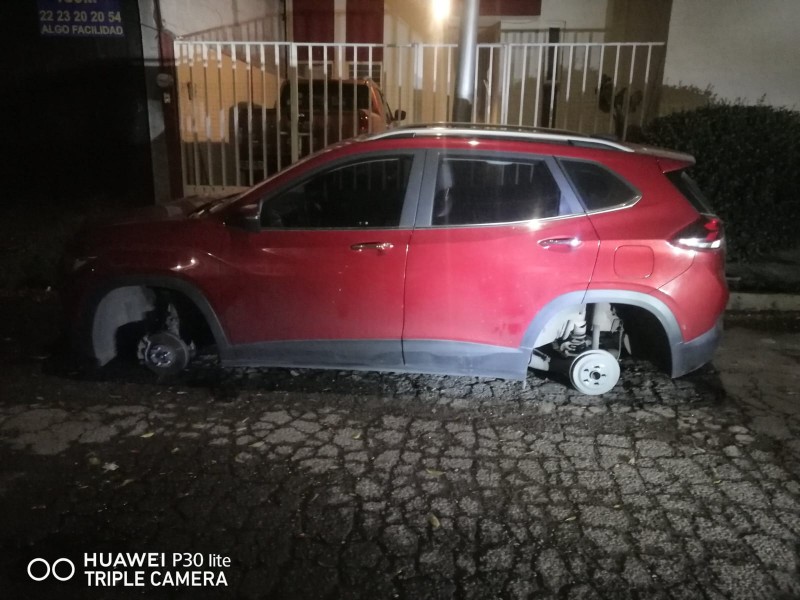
(322, 283)
(317, 285)
(504, 240)
(485, 284)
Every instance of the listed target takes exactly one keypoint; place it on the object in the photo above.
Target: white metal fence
(229, 91)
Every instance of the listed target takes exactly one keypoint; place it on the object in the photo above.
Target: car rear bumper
(691, 355)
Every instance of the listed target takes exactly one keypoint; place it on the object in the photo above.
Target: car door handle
(379, 246)
(560, 242)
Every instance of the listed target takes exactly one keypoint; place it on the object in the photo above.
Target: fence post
(294, 108)
(419, 80)
(467, 50)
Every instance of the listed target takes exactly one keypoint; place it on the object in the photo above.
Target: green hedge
(748, 164)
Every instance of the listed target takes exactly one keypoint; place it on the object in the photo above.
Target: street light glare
(441, 9)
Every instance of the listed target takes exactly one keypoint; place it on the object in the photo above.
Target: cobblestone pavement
(341, 485)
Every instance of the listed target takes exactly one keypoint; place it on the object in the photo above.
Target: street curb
(758, 302)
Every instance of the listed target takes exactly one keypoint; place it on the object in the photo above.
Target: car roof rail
(523, 133)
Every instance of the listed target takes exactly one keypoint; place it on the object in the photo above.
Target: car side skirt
(465, 358)
(373, 355)
(417, 356)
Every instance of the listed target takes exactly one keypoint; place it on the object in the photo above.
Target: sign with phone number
(80, 18)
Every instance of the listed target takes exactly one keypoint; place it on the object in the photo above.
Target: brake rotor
(594, 372)
(164, 353)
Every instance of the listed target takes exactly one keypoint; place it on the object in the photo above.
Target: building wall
(585, 20)
(232, 20)
(587, 16)
(408, 22)
(735, 49)
(638, 20)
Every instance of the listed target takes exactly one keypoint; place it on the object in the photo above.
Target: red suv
(435, 249)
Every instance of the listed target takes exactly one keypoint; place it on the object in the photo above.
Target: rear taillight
(706, 233)
(363, 121)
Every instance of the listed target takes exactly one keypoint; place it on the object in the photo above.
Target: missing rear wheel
(594, 372)
(164, 353)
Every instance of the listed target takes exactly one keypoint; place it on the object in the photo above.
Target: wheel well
(646, 334)
(126, 313)
(571, 328)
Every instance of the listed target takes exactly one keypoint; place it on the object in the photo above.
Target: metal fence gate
(227, 91)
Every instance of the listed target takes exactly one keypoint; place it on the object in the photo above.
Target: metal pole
(467, 51)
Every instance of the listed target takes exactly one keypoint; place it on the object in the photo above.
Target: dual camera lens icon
(62, 569)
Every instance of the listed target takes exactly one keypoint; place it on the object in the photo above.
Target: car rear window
(479, 191)
(690, 190)
(598, 187)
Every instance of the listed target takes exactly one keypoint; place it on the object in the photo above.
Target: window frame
(689, 189)
(407, 213)
(425, 207)
(637, 193)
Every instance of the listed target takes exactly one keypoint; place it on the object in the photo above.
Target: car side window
(366, 194)
(598, 187)
(480, 191)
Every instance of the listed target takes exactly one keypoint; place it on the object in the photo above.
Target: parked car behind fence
(328, 111)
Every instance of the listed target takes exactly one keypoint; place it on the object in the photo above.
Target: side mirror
(244, 216)
(399, 115)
